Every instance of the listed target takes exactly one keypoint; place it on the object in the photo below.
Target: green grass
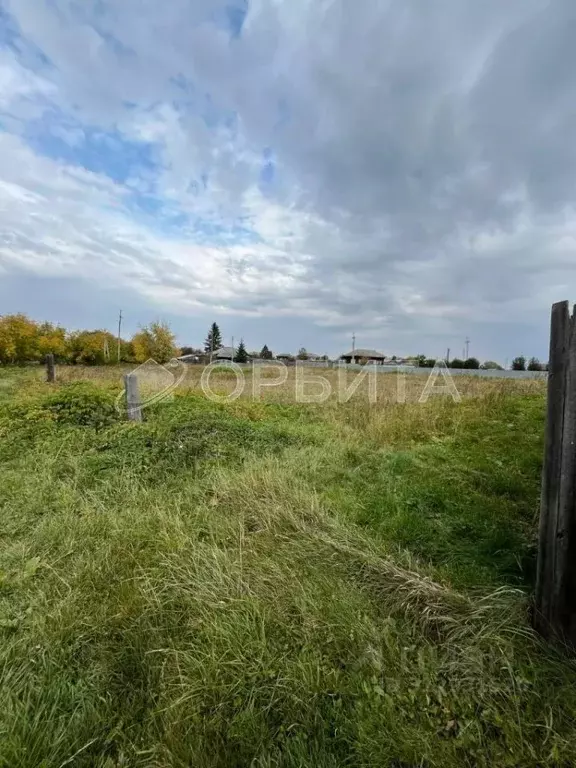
(267, 584)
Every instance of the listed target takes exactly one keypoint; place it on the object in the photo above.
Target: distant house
(224, 353)
(364, 355)
(285, 356)
(314, 358)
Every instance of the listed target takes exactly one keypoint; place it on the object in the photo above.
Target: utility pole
(233, 349)
(353, 348)
(447, 355)
(212, 350)
(467, 342)
(119, 334)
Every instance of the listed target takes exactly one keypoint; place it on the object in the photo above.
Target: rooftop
(373, 353)
(225, 352)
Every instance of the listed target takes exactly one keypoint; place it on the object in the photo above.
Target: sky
(295, 170)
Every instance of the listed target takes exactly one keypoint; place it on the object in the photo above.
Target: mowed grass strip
(267, 584)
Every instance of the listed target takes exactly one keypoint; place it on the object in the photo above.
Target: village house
(224, 354)
(363, 356)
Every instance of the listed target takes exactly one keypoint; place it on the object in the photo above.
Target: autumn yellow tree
(52, 340)
(126, 352)
(92, 347)
(24, 340)
(155, 341)
(18, 339)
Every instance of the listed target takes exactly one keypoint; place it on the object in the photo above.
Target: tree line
(518, 364)
(23, 340)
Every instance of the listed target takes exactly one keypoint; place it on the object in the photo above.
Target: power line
(119, 333)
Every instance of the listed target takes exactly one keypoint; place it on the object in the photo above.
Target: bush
(534, 364)
(472, 364)
(82, 404)
(519, 363)
(423, 362)
(457, 363)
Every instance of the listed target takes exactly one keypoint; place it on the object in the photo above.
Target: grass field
(267, 583)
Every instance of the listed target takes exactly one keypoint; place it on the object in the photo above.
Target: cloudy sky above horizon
(297, 170)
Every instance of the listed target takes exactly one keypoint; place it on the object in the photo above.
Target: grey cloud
(427, 148)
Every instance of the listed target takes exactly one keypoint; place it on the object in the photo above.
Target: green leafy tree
(534, 364)
(519, 363)
(302, 354)
(457, 363)
(191, 351)
(265, 353)
(490, 365)
(126, 352)
(241, 354)
(472, 364)
(213, 340)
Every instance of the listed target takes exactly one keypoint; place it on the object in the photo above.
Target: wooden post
(50, 369)
(555, 602)
(133, 403)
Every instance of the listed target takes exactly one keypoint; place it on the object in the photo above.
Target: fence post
(555, 602)
(50, 369)
(133, 403)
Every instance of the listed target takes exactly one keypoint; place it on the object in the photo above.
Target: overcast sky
(297, 170)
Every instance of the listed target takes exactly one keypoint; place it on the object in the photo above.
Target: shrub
(519, 363)
(82, 404)
(534, 364)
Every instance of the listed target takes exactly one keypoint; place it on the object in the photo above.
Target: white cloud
(76, 223)
(423, 157)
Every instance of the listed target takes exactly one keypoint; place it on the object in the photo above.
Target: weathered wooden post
(133, 402)
(50, 369)
(555, 603)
